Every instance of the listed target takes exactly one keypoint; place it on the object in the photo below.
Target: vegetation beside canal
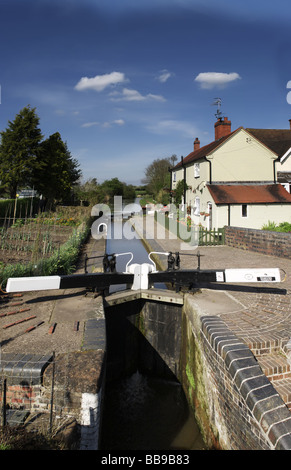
(18, 438)
(46, 245)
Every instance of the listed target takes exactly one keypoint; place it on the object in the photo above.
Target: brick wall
(30, 397)
(260, 241)
(36, 395)
(41, 385)
(236, 406)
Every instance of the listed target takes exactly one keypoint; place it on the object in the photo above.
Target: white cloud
(164, 76)
(134, 95)
(210, 80)
(90, 124)
(100, 82)
(168, 126)
(106, 124)
(155, 97)
(118, 122)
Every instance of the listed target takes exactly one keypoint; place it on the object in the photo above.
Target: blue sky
(126, 82)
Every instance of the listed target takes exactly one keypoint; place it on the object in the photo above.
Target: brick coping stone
(263, 400)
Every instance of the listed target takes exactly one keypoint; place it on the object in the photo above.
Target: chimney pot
(222, 127)
(196, 144)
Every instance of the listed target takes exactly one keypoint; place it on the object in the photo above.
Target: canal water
(142, 412)
(130, 250)
(146, 413)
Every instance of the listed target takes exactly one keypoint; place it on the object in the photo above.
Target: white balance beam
(251, 275)
(24, 284)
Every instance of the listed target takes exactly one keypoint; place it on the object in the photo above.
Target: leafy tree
(179, 191)
(128, 192)
(163, 197)
(111, 188)
(114, 187)
(88, 192)
(91, 192)
(58, 171)
(157, 176)
(19, 151)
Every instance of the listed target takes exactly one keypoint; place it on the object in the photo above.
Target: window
(174, 177)
(244, 210)
(196, 170)
(197, 206)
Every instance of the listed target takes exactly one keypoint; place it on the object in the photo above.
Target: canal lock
(145, 407)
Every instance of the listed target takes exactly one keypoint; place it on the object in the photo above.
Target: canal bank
(53, 360)
(235, 349)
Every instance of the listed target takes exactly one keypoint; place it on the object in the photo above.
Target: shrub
(282, 227)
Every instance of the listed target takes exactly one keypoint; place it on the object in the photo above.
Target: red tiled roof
(278, 140)
(204, 151)
(249, 194)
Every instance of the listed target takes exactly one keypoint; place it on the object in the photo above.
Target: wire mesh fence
(31, 239)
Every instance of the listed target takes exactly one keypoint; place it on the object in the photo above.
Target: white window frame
(197, 206)
(196, 170)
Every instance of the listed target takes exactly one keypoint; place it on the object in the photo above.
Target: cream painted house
(239, 179)
(279, 141)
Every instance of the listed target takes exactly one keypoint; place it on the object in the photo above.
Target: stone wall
(260, 241)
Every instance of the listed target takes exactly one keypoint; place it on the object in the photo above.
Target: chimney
(290, 123)
(196, 144)
(222, 127)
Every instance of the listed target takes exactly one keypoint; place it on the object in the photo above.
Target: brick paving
(259, 314)
(45, 321)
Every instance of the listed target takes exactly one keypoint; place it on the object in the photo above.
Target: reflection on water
(118, 244)
(143, 413)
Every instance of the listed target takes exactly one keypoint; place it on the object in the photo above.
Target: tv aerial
(217, 102)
